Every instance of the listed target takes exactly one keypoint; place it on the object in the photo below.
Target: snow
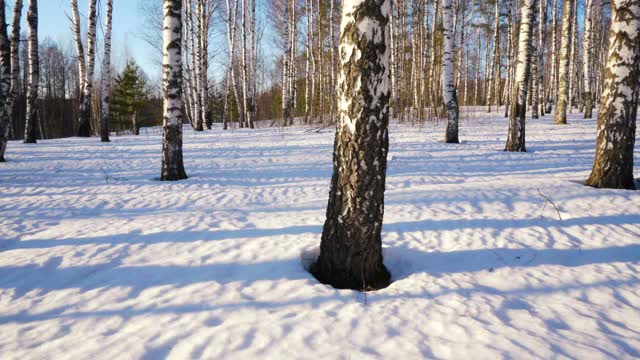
(99, 260)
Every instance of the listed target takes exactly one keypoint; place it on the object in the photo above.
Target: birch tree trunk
(572, 56)
(507, 88)
(449, 90)
(552, 96)
(587, 50)
(542, 27)
(613, 163)
(106, 74)
(563, 80)
(84, 129)
(243, 59)
(78, 42)
(494, 55)
(534, 73)
(285, 67)
(516, 135)
(477, 77)
(5, 80)
(172, 165)
(308, 55)
(204, 62)
(231, 30)
(34, 75)
(351, 245)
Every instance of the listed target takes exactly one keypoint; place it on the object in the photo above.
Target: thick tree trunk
(587, 51)
(106, 74)
(34, 75)
(351, 246)
(449, 90)
(565, 58)
(613, 163)
(516, 136)
(172, 165)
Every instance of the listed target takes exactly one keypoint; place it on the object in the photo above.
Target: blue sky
(127, 22)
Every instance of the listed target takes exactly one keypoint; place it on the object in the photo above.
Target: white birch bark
(285, 67)
(552, 96)
(587, 50)
(449, 89)
(563, 81)
(542, 27)
(204, 63)
(243, 59)
(516, 135)
(477, 77)
(34, 74)
(494, 54)
(351, 246)
(5, 81)
(613, 162)
(84, 129)
(10, 69)
(172, 163)
(232, 14)
(78, 42)
(106, 73)
(307, 92)
(572, 56)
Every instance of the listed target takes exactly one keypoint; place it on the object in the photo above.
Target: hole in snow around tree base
(392, 262)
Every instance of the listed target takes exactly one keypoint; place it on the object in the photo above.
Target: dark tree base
(30, 141)
(611, 182)
(104, 135)
(174, 176)
(452, 141)
(374, 280)
(84, 130)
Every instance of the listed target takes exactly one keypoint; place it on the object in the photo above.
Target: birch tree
(172, 165)
(565, 55)
(552, 93)
(587, 49)
(34, 74)
(106, 73)
(232, 14)
(5, 81)
(542, 34)
(351, 245)
(613, 163)
(516, 135)
(449, 89)
(86, 71)
(494, 63)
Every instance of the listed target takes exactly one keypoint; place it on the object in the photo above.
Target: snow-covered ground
(100, 261)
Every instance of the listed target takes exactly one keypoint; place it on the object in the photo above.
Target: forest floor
(98, 260)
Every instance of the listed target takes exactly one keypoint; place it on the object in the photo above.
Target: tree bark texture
(613, 163)
(351, 246)
(34, 74)
(516, 135)
(172, 165)
(565, 58)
